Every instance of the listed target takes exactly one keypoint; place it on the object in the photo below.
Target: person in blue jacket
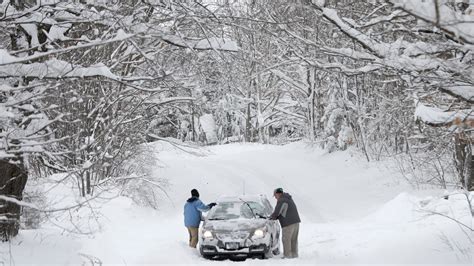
(192, 216)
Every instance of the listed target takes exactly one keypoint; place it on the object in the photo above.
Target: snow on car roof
(256, 198)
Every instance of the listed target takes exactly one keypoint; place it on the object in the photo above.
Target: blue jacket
(192, 212)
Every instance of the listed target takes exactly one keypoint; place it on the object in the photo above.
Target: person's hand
(212, 204)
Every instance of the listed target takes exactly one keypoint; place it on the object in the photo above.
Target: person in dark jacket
(192, 216)
(287, 214)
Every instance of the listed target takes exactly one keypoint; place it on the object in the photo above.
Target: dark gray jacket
(286, 211)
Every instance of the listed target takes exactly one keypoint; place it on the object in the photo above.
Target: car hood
(234, 225)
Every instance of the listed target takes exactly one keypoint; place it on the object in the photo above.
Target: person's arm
(280, 209)
(202, 207)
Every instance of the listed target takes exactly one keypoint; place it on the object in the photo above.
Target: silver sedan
(239, 227)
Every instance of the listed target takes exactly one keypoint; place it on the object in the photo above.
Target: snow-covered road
(353, 212)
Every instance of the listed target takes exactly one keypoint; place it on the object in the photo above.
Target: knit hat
(278, 190)
(195, 193)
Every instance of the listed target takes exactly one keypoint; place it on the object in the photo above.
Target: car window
(251, 209)
(268, 207)
(224, 211)
(234, 210)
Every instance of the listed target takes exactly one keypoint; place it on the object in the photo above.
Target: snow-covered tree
(77, 79)
(422, 47)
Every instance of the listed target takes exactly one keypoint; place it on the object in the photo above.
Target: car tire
(207, 257)
(276, 248)
(269, 252)
(276, 251)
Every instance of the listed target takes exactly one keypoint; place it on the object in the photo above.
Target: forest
(83, 84)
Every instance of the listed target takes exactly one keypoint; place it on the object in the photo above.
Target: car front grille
(223, 236)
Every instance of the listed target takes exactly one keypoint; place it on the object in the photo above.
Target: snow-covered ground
(352, 212)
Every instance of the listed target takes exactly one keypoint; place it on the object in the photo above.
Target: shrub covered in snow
(138, 181)
(33, 218)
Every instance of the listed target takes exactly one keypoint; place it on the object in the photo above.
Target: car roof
(255, 198)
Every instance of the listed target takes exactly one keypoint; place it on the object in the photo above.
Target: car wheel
(269, 252)
(208, 257)
(205, 256)
(276, 248)
(276, 251)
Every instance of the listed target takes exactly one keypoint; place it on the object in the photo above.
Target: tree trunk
(248, 120)
(82, 186)
(310, 79)
(468, 169)
(88, 182)
(262, 134)
(12, 183)
(464, 160)
(193, 127)
(248, 125)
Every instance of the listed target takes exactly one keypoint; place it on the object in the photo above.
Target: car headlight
(207, 234)
(259, 233)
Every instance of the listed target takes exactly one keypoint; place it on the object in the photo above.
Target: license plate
(232, 245)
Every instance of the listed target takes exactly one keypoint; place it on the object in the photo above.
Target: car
(239, 226)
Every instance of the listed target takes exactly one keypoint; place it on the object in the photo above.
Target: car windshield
(235, 210)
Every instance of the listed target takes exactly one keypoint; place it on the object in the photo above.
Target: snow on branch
(290, 81)
(18, 202)
(464, 92)
(54, 68)
(436, 117)
(212, 43)
(339, 67)
(7, 59)
(364, 40)
(381, 19)
(170, 100)
(400, 55)
(456, 24)
(186, 147)
(350, 53)
(346, 52)
(296, 115)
